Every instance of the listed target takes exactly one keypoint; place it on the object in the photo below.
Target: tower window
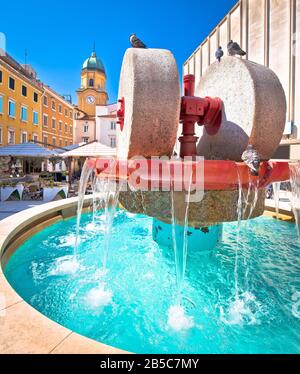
(91, 82)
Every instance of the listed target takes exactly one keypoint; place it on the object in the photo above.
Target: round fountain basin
(209, 237)
(132, 305)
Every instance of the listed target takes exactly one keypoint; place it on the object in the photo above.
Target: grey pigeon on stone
(219, 54)
(234, 49)
(252, 160)
(136, 42)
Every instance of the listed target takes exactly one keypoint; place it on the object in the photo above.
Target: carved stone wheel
(254, 109)
(149, 85)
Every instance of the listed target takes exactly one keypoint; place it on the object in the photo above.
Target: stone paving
(7, 208)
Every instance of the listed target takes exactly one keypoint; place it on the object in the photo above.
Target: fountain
(176, 256)
(189, 197)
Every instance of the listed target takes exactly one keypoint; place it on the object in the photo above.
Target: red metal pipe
(205, 112)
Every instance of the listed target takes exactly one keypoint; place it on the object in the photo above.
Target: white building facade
(106, 124)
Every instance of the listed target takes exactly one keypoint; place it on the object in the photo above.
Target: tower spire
(94, 49)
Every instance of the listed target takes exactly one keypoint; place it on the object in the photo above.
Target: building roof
(94, 149)
(27, 150)
(93, 63)
(66, 148)
(21, 70)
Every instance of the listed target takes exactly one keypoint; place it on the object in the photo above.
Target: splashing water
(276, 189)
(177, 319)
(99, 297)
(239, 311)
(84, 179)
(105, 194)
(295, 193)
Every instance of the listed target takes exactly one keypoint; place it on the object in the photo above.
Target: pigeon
(219, 54)
(136, 42)
(234, 49)
(252, 160)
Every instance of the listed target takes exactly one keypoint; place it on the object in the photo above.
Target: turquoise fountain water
(133, 312)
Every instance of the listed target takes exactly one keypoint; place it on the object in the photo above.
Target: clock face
(90, 99)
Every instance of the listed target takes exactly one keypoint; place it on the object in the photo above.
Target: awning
(27, 150)
(94, 149)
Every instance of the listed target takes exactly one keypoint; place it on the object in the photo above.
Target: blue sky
(59, 34)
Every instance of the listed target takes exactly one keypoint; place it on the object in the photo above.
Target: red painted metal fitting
(205, 112)
(212, 118)
(121, 113)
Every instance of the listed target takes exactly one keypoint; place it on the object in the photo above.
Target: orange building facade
(57, 119)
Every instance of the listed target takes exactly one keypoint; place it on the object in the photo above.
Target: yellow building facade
(20, 102)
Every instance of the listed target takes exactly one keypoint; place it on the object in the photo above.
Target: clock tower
(92, 91)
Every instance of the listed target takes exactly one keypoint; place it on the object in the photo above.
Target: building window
(35, 97)
(60, 142)
(53, 141)
(113, 125)
(24, 90)
(53, 105)
(45, 140)
(1, 76)
(11, 83)
(24, 137)
(45, 120)
(0, 135)
(113, 142)
(66, 112)
(1, 104)
(35, 138)
(45, 100)
(24, 114)
(71, 130)
(85, 139)
(53, 123)
(11, 108)
(60, 108)
(66, 143)
(86, 128)
(59, 125)
(11, 137)
(35, 118)
(91, 82)
(66, 127)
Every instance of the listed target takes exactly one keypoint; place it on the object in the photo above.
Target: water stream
(177, 318)
(276, 190)
(240, 309)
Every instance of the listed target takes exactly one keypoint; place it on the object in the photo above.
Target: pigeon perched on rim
(219, 54)
(252, 160)
(234, 49)
(136, 42)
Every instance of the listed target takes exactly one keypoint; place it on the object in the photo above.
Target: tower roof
(93, 63)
